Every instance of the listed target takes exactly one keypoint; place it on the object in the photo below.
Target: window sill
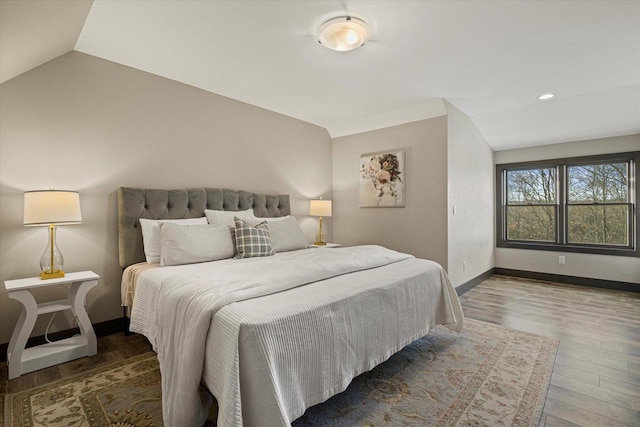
(570, 248)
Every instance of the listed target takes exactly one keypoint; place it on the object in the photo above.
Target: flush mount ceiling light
(343, 33)
(546, 96)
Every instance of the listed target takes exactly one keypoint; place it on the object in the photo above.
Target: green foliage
(598, 210)
(532, 223)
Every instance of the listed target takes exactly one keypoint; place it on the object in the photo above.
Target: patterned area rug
(122, 394)
(488, 375)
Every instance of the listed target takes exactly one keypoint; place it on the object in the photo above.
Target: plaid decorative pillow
(252, 241)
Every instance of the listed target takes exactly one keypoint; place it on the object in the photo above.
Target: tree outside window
(531, 204)
(599, 204)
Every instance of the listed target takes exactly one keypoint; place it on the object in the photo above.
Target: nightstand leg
(21, 333)
(78, 293)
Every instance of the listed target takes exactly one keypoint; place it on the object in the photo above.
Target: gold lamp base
(320, 237)
(55, 275)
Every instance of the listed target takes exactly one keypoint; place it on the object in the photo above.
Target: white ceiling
(490, 59)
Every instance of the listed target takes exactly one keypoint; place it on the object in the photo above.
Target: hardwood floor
(596, 377)
(111, 348)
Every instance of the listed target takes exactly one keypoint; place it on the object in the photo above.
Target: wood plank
(23, 382)
(618, 374)
(621, 386)
(576, 374)
(48, 375)
(101, 359)
(75, 366)
(553, 421)
(605, 395)
(608, 410)
(575, 415)
(629, 347)
(595, 355)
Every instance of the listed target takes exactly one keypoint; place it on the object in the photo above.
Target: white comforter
(262, 373)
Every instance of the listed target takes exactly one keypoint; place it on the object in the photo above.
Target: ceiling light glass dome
(343, 33)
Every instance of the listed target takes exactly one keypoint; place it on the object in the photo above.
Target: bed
(269, 336)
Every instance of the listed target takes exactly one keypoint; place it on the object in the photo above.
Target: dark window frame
(562, 205)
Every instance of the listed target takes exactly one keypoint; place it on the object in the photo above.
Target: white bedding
(267, 359)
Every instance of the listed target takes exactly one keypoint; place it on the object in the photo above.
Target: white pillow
(226, 217)
(286, 234)
(275, 218)
(189, 244)
(151, 235)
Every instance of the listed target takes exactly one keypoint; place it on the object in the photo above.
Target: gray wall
(82, 123)
(471, 191)
(421, 227)
(606, 267)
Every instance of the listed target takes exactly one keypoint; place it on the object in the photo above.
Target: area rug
(487, 375)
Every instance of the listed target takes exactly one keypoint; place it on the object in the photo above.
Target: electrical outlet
(464, 265)
(561, 259)
(455, 211)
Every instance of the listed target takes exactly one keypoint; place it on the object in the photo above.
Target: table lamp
(320, 208)
(51, 208)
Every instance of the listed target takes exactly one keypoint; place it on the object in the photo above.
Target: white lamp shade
(52, 207)
(320, 207)
(344, 33)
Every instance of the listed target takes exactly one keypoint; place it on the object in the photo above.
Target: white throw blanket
(187, 304)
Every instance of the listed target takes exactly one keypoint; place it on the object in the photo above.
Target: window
(585, 204)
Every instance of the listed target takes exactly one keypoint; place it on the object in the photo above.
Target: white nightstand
(328, 245)
(21, 360)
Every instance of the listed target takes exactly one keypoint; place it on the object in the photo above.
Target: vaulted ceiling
(490, 59)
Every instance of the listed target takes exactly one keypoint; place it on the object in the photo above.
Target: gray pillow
(286, 234)
(189, 244)
(252, 241)
(227, 217)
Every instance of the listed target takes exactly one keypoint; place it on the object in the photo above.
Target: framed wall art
(382, 180)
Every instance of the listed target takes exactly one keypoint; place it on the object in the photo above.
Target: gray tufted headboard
(136, 203)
